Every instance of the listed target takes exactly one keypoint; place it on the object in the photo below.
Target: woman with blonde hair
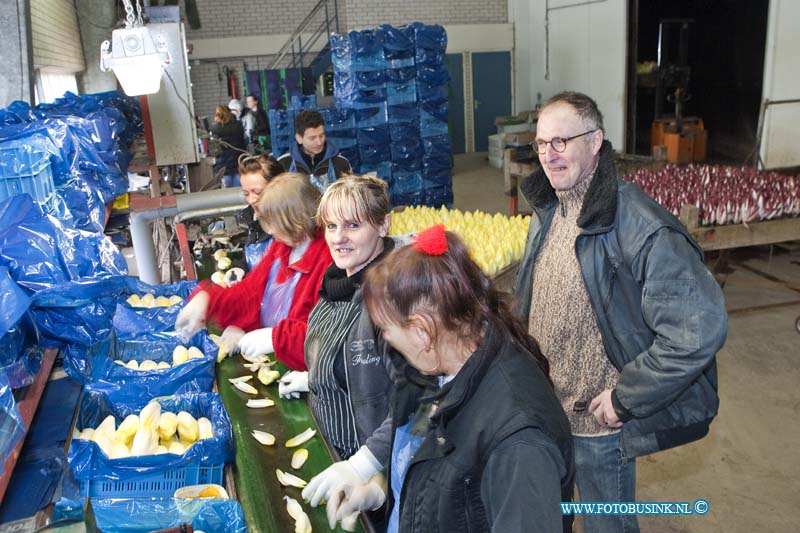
(268, 310)
(348, 376)
(231, 135)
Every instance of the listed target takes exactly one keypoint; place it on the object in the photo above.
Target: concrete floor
(748, 467)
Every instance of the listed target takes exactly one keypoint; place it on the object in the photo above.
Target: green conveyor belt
(257, 487)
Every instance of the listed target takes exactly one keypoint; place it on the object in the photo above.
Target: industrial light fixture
(136, 58)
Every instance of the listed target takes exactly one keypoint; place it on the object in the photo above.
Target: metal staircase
(320, 21)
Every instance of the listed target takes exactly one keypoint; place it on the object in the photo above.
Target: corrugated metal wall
(55, 37)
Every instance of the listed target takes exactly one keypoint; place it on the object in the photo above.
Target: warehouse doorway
(726, 45)
(479, 92)
(455, 107)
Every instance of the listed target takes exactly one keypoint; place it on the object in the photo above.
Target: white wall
(779, 146)
(587, 53)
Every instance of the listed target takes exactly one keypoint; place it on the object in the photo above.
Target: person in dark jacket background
(490, 449)
(231, 133)
(255, 108)
(616, 292)
(313, 155)
(255, 172)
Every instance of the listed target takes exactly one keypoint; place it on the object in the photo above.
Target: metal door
(491, 89)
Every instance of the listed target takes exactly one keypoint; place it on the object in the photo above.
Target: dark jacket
(497, 455)
(255, 232)
(323, 169)
(366, 374)
(231, 133)
(661, 315)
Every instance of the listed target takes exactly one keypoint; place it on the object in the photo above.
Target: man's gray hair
(584, 106)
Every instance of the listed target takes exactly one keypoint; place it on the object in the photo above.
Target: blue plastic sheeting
(13, 301)
(82, 205)
(398, 42)
(406, 183)
(433, 74)
(95, 364)
(41, 252)
(142, 515)
(414, 198)
(437, 146)
(382, 170)
(338, 119)
(130, 320)
(352, 155)
(342, 139)
(371, 116)
(88, 462)
(359, 98)
(12, 427)
(429, 37)
(438, 196)
(407, 114)
(307, 101)
(78, 154)
(281, 122)
(358, 50)
(373, 136)
(401, 75)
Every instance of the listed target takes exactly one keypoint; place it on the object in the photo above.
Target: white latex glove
(230, 338)
(192, 318)
(292, 384)
(257, 342)
(345, 504)
(354, 471)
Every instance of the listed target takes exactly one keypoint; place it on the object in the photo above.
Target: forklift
(676, 138)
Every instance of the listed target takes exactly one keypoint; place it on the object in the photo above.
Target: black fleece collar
(600, 203)
(338, 286)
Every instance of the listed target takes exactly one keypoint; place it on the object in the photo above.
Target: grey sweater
(561, 319)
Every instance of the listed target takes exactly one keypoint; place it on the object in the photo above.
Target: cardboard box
(519, 139)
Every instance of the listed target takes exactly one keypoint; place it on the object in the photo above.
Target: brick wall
(363, 14)
(233, 18)
(230, 18)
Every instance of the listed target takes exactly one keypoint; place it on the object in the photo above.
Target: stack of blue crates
(281, 128)
(395, 83)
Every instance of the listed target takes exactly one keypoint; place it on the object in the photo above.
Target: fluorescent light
(136, 59)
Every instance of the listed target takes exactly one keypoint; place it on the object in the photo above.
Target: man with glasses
(616, 292)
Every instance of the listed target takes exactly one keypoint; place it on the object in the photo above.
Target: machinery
(676, 138)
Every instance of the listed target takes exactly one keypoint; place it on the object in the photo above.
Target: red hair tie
(431, 241)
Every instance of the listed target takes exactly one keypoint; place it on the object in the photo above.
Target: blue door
(455, 109)
(491, 90)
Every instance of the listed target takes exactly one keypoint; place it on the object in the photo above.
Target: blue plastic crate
(163, 484)
(23, 170)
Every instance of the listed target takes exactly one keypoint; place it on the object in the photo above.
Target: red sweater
(240, 305)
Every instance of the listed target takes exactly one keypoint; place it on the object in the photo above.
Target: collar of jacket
(338, 286)
(461, 388)
(600, 203)
(297, 155)
(305, 264)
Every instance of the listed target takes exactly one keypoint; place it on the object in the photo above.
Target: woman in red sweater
(272, 302)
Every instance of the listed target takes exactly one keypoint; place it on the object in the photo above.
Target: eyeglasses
(557, 143)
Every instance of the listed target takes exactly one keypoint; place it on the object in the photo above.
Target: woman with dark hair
(267, 311)
(489, 448)
(255, 172)
(231, 135)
